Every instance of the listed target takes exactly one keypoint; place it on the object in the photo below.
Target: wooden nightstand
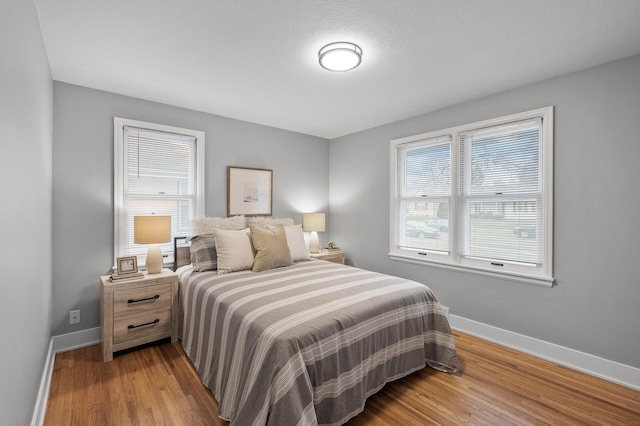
(137, 311)
(335, 256)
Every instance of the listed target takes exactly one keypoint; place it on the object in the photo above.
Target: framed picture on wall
(249, 191)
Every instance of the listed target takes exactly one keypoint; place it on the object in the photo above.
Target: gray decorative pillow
(203, 253)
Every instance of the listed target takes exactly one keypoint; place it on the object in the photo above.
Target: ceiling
(258, 60)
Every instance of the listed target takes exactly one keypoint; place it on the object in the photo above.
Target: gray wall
(25, 216)
(594, 306)
(83, 182)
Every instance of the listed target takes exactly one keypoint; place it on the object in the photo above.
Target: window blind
(424, 189)
(477, 197)
(159, 178)
(501, 199)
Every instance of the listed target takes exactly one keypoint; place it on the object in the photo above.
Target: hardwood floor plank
(574, 396)
(157, 385)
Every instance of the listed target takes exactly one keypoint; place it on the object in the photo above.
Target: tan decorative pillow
(272, 250)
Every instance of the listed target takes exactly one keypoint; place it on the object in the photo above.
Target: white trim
(76, 340)
(611, 371)
(505, 275)
(43, 392)
(547, 182)
(118, 157)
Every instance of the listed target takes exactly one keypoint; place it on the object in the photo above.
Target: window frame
(119, 125)
(542, 275)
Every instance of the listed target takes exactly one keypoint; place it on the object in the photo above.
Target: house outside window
(477, 197)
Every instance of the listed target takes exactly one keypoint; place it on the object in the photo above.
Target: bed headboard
(181, 252)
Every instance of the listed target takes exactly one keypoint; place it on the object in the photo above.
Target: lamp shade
(151, 229)
(313, 222)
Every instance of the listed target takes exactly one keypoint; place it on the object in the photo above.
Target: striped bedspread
(308, 343)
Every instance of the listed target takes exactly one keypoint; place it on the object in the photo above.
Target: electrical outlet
(74, 317)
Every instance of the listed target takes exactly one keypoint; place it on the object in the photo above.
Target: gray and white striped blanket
(308, 343)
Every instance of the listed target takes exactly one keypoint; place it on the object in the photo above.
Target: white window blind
(501, 200)
(477, 197)
(158, 171)
(424, 192)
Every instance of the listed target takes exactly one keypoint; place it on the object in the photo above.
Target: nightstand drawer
(142, 324)
(126, 302)
(335, 256)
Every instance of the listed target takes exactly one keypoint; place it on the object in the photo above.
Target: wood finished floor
(157, 385)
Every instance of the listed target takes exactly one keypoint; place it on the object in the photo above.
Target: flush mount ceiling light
(340, 56)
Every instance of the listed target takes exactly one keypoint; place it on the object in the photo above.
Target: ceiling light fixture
(340, 56)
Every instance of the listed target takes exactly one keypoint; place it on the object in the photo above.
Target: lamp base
(314, 243)
(154, 259)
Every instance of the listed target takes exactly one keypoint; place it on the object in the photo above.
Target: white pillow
(206, 225)
(235, 252)
(295, 240)
(267, 222)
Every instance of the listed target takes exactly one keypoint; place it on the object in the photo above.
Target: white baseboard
(59, 344)
(76, 340)
(612, 371)
(43, 391)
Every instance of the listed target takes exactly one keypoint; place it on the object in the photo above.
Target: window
(158, 170)
(477, 197)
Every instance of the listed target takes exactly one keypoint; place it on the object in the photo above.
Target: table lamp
(152, 230)
(314, 223)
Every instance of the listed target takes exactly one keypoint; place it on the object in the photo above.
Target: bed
(307, 343)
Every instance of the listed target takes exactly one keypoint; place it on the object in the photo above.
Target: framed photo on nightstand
(127, 265)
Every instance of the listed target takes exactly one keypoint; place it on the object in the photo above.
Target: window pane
(425, 226)
(503, 231)
(157, 166)
(179, 210)
(478, 196)
(159, 175)
(501, 160)
(427, 169)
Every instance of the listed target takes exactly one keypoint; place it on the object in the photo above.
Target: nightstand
(138, 311)
(335, 256)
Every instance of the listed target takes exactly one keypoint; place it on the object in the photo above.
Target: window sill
(521, 278)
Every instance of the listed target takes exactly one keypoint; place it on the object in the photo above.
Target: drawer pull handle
(142, 300)
(155, 321)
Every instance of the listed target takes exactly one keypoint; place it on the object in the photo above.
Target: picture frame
(127, 265)
(249, 191)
